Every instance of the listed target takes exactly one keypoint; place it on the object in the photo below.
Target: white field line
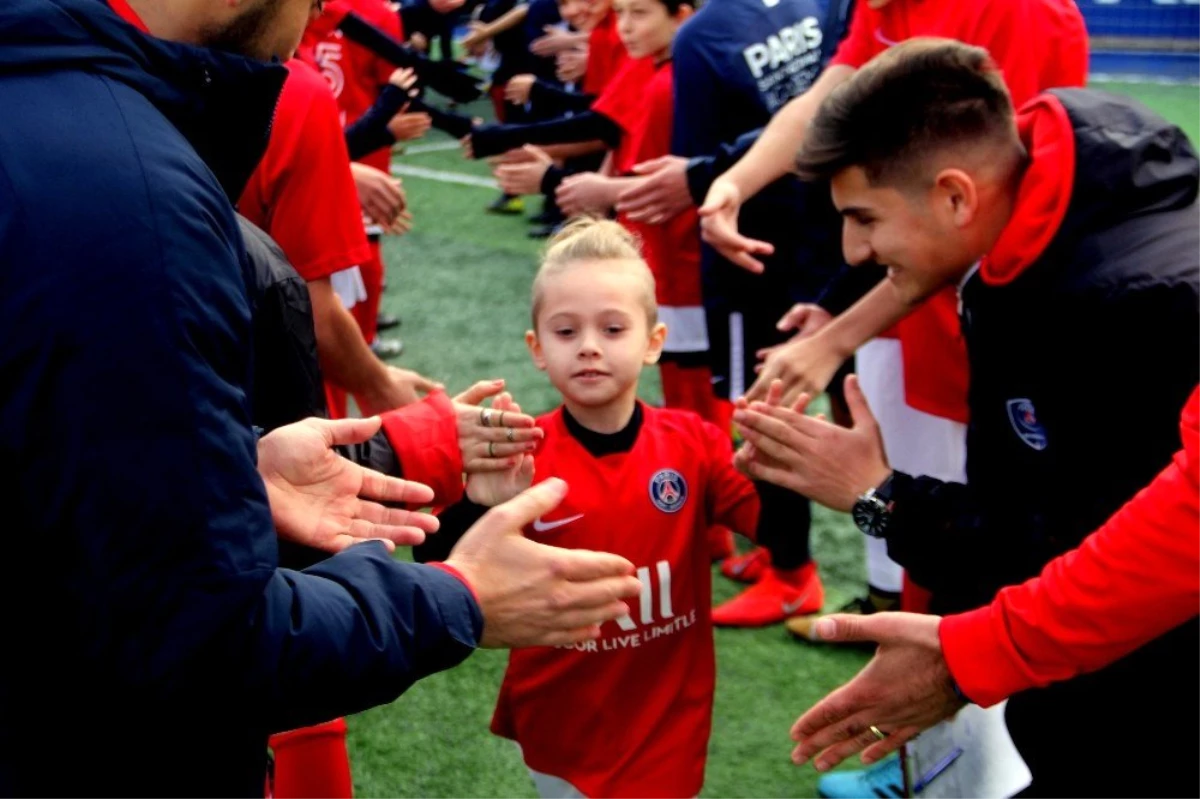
(408, 170)
(431, 147)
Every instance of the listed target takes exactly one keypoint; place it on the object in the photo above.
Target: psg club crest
(668, 490)
(1025, 422)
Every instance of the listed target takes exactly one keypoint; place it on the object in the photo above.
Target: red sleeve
(453, 572)
(860, 44)
(304, 181)
(1129, 582)
(425, 438)
(732, 500)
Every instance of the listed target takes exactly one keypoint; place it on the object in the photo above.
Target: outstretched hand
(495, 439)
(719, 227)
(320, 499)
(805, 363)
(537, 595)
(492, 486)
(906, 688)
(660, 195)
(825, 462)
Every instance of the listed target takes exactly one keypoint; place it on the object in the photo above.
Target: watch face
(870, 516)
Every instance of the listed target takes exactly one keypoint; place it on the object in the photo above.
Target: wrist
(834, 337)
(457, 573)
(730, 186)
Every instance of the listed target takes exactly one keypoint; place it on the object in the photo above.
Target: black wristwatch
(873, 510)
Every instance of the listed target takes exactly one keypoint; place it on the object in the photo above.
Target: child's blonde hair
(588, 238)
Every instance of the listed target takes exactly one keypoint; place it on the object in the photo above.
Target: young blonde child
(630, 713)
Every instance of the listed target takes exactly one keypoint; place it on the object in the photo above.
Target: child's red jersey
(630, 713)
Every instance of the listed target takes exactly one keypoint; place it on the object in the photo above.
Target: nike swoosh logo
(884, 39)
(791, 607)
(540, 526)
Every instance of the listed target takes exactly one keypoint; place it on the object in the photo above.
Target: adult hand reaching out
(906, 688)
(537, 595)
(825, 462)
(320, 499)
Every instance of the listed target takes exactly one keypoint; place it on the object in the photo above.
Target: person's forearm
(587, 127)
(424, 438)
(848, 286)
(506, 22)
(457, 125)
(864, 320)
(561, 152)
(369, 133)
(937, 526)
(552, 100)
(346, 360)
(773, 155)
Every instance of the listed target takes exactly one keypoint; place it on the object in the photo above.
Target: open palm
(322, 500)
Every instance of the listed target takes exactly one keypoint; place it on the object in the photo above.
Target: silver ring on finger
(500, 420)
(511, 434)
(491, 449)
(485, 416)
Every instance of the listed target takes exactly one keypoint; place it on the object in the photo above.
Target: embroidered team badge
(668, 490)
(1025, 422)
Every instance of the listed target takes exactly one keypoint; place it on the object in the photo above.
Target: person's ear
(684, 11)
(535, 349)
(658, 337)
(956, 197)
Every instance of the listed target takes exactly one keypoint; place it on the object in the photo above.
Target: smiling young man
(1072, 232)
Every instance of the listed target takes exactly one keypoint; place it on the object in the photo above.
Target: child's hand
(497, 487)
(571, 64)
(516, 91)
(525, 176)
(407, 126)
(587, 192)
(403, 78)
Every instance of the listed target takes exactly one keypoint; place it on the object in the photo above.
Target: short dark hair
(907, 103)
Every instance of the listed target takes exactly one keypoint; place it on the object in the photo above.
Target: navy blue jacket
(737, 62)
(151, 641)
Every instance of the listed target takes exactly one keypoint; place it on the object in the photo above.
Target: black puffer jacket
(1081, 328)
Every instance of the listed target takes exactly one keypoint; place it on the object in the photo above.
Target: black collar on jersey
(600, 444)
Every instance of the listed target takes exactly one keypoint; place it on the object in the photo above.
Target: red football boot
(748, 567)
(774, 598)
